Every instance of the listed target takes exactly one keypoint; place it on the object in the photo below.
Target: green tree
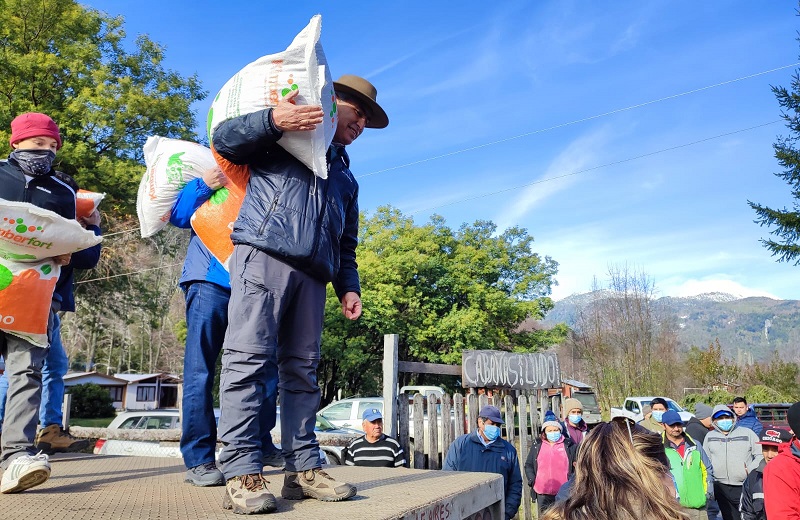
(69, 61)
(785, 222)
(442, 291)
(710, 369)
(90, 400)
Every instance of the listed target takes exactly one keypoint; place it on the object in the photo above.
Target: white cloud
(578, 155)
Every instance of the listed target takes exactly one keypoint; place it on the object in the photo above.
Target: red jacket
(782, 483)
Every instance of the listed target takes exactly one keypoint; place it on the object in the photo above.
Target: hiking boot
(24, 473)
(274, 459)
(315, 483)
(204, 475)
(54, 439)
(248, 495)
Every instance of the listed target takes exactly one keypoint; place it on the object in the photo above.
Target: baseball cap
(371, 414)
(671, 417)
(774, 436)
(492, 413)
(721, 410)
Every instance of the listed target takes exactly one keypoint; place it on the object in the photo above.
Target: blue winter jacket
(467, 453)
(288, 212)
(200, 264)
(749, 420)
(83, 259)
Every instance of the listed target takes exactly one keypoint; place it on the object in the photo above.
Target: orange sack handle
(213, 220)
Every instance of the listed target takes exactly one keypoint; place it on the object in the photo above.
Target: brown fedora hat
(366, 93)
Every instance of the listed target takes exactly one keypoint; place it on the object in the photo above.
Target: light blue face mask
(574, 418)
(658, 415)
(725, 424)
(491, 431)
(553, 436)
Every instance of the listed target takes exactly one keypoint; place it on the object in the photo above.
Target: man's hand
(351, 306)
(289, 117)
(214, 178)
(62, 259)
(92, 220)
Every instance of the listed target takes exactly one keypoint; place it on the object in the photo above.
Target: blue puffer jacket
(467, 453)
(288, 212)
(749, 420)
(200, 264)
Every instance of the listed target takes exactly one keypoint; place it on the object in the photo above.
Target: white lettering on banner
(489, 368)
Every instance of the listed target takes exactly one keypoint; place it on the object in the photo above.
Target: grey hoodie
(732, 455)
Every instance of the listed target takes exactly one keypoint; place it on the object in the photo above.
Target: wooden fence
(426, 441)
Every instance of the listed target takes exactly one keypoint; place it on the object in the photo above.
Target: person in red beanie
(28, 176)
(782, 476)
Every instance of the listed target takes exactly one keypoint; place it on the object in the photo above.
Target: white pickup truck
(634, 408)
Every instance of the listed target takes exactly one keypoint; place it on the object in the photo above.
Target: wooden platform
(84, 486)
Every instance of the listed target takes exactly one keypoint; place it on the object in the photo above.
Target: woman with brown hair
(621, 473)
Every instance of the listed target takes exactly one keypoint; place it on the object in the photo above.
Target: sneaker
(204, 475)
(274, 459)
(315, 483)
(24, 473)
(54, 439)
(248, 495)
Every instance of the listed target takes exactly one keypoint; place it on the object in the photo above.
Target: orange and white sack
(171, 163)
(213, 220)
(264, 82)
(86, 203)
(29, 233)
(26, 293)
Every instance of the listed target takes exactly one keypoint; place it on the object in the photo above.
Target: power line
(621, 161)
(542, 130)
(128, 274)
(484, 195)
(589, 118)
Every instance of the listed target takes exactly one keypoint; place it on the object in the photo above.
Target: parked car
(163, 419)
(332, 440)
(772, 414)
(634, 408)
(347, 412)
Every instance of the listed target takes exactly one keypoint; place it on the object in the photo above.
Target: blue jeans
(55, 368)
(206, 322)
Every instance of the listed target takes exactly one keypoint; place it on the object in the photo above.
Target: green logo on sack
(333, 107)
(47, 268)
(219, 196)
(175, 168)
(6, 277)
(20, 227)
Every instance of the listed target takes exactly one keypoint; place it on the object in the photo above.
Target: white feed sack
(29, 237)
(29, 233)
(263, 83)
(171, 163)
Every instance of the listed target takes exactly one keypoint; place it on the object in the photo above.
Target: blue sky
(492, 106)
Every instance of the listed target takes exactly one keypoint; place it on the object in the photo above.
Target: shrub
(90, 401)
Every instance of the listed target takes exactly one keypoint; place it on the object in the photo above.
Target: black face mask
(34, 162)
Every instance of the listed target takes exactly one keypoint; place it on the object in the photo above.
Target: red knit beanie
(33, 124)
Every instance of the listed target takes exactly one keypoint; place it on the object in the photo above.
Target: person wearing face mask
(652, 421)
(689, 465)
(734, 451)
(550, 463)
(573, 425)
(483, 450)
(28, 176)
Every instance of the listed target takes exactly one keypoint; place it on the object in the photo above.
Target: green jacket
(691, 472)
